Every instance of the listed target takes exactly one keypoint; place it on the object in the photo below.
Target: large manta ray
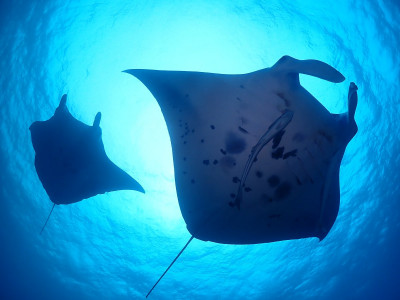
(71, 161)
(256, 156)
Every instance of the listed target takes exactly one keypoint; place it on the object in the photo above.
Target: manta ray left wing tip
(136, 72)
(129, 71)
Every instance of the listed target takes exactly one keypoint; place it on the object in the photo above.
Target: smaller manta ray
(71, 161)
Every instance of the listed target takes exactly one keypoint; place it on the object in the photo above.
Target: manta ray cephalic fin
(310, 67)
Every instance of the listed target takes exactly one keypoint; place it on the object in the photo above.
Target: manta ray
(71, 161)
(256, 156)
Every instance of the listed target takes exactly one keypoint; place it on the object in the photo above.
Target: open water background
(115, 246)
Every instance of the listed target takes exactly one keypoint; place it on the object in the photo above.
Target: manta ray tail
(310, 67)
(47, 219)
(179, 254)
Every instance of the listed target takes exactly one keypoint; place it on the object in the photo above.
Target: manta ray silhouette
(256, 156)
(71, 161)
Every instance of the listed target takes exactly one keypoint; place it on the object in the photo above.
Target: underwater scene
(199, 149)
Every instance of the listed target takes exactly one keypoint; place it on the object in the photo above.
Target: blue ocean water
(115, 246)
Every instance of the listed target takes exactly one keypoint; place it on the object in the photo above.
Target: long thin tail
(47, 218)
(183, 249)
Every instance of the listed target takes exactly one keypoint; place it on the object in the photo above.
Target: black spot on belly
(192, 181)
(222, 151)
(202, 141)
(242, 86)
(234, 144)
(259, 174)
(237, 98)
(247, 189)
(184, 158)
(278, 153)
(215, 161)
(212, 127)
(277, 139)
(232, 195)
(206, 162)
(283, 190)
(290, 153)
(273, 181)
(235, 179)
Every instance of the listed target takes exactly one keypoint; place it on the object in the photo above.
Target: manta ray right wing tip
(131, 71)
(135, 72)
